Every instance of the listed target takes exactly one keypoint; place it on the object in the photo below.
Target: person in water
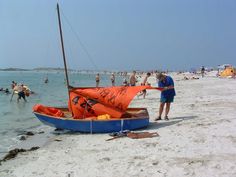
(112, 79)
(132, 79)
(167, 94)
(97, 80)
(13, 84)
(7, 91)
(46, 80)
(21, 92)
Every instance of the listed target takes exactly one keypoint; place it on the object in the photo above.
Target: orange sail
(48, 110)
(92, 102)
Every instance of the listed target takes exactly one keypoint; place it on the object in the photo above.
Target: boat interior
(130, 113)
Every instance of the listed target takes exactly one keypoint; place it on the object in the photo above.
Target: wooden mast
(63, 53)
(62, 47)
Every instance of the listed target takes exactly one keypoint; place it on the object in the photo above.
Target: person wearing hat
(167, 94)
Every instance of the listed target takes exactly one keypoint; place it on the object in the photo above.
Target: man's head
(160, 76)
(134, 72)
(148, 74)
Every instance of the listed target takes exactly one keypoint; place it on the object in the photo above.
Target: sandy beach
(198, 140)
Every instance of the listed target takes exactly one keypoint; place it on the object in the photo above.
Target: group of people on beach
(163, 81)
(112, 78)
(132, 79)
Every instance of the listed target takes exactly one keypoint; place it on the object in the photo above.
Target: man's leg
(161, 108)
(23, 96)
(167, 110)
(19, 97)
(144, 93)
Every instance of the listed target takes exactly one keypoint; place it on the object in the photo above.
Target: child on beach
(167, 95)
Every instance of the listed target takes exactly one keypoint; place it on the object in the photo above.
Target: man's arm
(171, 86)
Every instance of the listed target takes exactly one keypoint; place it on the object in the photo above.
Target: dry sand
(199, 140)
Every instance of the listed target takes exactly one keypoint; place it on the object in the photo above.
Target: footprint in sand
(199, 140)
(139, 157)
(70, 174)
(151, 144)
(104, 159)
(155, 163)
(231, 138)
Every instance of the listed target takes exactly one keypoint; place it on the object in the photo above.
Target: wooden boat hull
(97, 126)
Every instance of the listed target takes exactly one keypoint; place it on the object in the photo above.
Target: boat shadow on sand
(172, 121)
(151, 126)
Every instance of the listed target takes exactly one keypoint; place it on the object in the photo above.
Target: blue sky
(119, 34)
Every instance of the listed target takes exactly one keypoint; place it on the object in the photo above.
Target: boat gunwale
(102, 120)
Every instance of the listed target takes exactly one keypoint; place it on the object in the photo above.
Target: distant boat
(95, 110)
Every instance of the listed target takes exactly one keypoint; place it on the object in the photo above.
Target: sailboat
(95, 110)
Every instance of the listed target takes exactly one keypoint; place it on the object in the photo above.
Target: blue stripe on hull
(104, 126)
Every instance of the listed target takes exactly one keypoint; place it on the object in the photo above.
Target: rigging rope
(78, 38)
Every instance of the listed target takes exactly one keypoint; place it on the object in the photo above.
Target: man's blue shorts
(167, 100)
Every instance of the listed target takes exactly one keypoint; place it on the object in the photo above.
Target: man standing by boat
(167, 95)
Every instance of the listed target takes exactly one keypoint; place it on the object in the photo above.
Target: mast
(64, 55)
(62, 48)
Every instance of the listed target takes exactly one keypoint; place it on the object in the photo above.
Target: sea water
(16, 118)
